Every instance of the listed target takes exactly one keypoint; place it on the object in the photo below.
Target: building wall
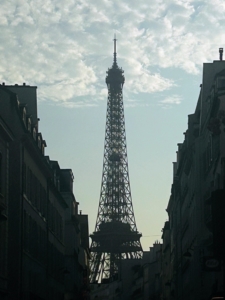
(33, 209)
(198, 172)
(166, 262)
(5, 138)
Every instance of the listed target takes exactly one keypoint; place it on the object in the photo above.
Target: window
(43, 202)
(24, 178)
(3, 249)
(38, 190)
(25, 230)
(221, 83)
(1, 172)
(29, 124)
(43, 148)
(209, 151)
(207, 155)
(209, 101)
(35, 187)
(39, 142)
(24, 116)
(34, 134)
(212, 93)
(215, 147)
(28, 189)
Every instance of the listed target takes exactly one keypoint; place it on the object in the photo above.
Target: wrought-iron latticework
(115, 236)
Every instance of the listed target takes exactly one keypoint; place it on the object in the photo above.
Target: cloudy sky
(65, 47)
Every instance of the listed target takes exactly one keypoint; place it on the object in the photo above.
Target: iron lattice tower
(115, 236)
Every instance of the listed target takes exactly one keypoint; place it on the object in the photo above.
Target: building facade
(35, 208)
(191, 266)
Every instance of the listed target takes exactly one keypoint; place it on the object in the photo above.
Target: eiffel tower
(115, 236)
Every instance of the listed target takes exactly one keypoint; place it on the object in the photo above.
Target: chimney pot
(221, 53)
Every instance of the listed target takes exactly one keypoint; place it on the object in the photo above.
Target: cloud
(64, 47)
(169, 101)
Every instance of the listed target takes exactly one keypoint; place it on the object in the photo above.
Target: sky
(65, 48)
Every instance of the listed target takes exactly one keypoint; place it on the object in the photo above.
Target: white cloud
(64, 47)
(169, 101)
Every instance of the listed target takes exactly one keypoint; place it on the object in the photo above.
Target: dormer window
(43, 145)
(39, 142)
(29, 124)
(24, 116)
(34, 134)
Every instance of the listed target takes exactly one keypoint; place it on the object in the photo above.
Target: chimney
(221, 53)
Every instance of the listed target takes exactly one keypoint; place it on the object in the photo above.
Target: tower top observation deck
(115, 74)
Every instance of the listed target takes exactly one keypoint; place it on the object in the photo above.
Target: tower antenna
(114, 54)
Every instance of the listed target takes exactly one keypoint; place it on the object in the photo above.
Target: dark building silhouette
(193, 238)
(115, 237)
(41, 256)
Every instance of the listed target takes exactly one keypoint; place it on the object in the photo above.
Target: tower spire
(114, 54)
